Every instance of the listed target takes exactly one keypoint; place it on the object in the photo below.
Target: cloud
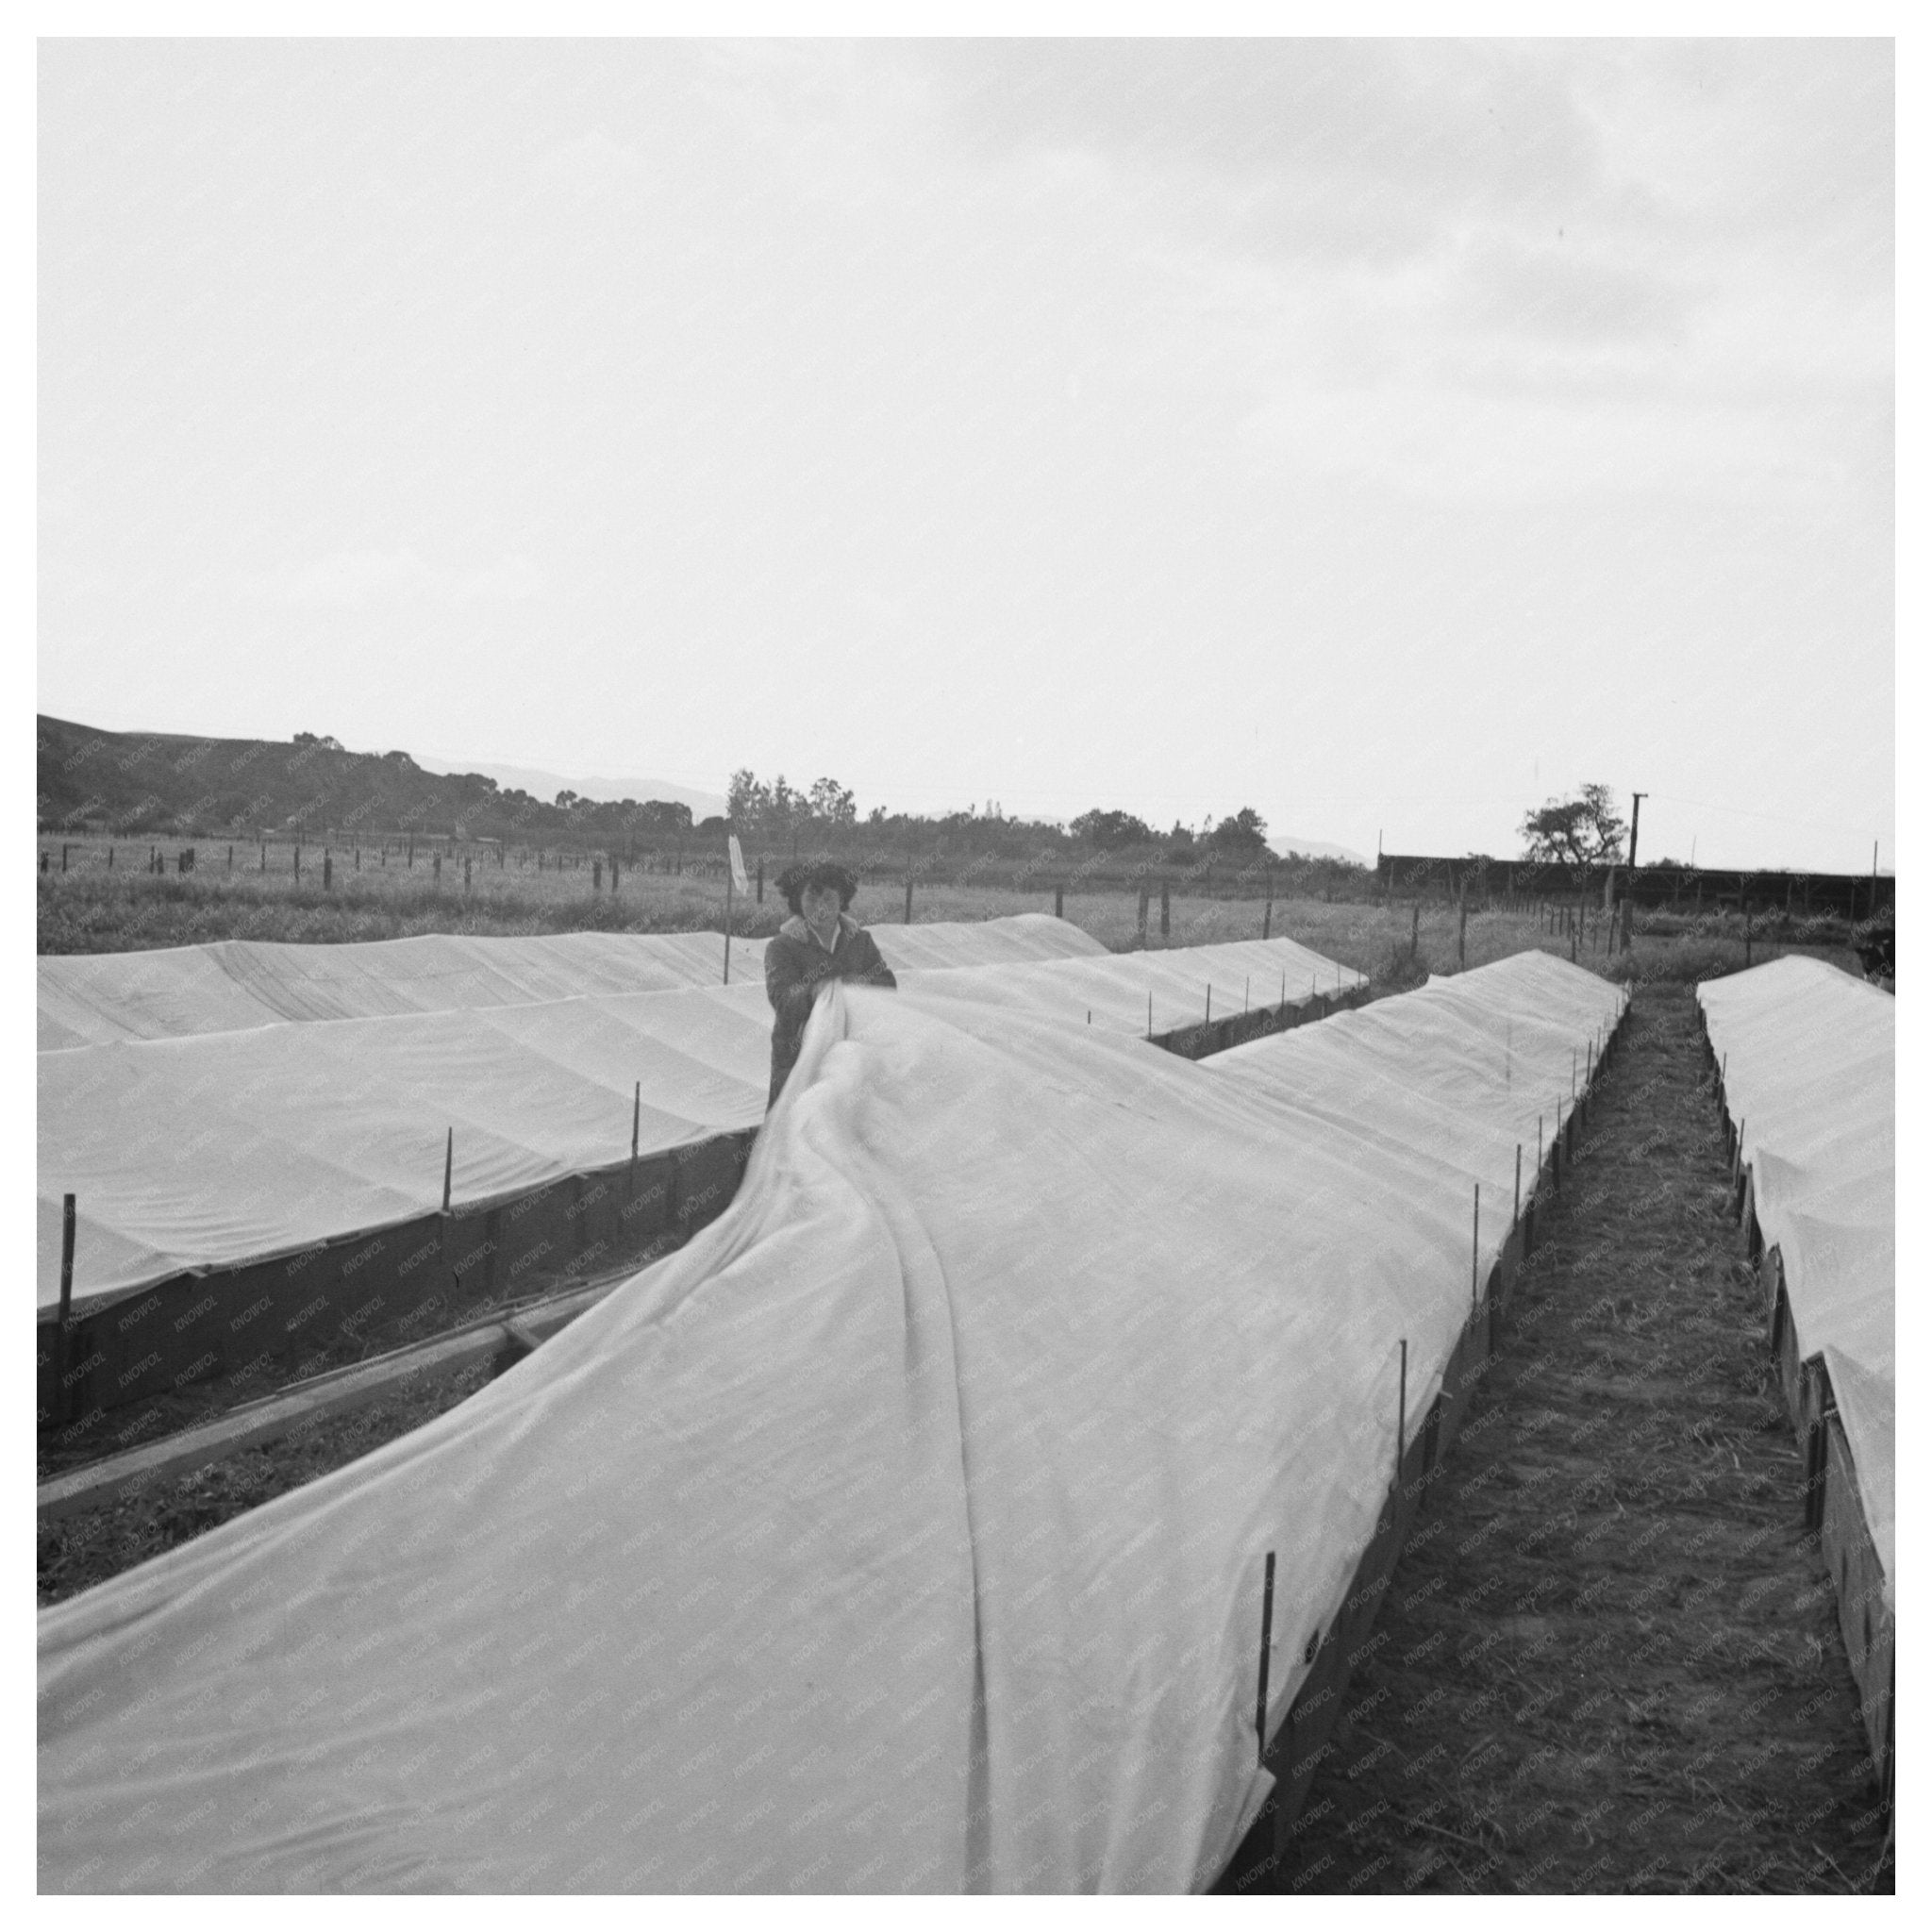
(842, 123)
(352, 579)
(1330, 149)
(1455, 445)
(1552, 289)
(593, 167)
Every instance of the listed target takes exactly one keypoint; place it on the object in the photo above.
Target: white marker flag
(737, 879)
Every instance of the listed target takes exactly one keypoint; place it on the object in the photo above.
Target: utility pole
(1637, 799)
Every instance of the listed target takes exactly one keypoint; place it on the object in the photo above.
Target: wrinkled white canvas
(1808, 1057)
(903, 1532)
(221, 1147)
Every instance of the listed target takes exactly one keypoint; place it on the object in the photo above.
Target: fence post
(1267, 1638)
(328, 873)
(62, 1334)
(761, 881)
(1163, 909)
(1060, 902)
(1401, 1413)
(1475, 1228)
(909, 898)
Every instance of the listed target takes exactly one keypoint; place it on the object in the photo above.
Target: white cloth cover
(221, 1147)
(1809, 1055)
(904, 1532)
(86, 998)
(1178, 987)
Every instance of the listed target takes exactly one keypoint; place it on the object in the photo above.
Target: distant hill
(540, 784)
(1290, 844)
(166, 784)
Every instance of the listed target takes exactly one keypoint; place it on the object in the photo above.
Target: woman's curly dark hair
(797, 880)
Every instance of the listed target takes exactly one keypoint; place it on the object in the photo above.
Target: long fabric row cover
(1163, 991)
(89, 998)
(1809, 1076)
(903, 1532)
(218, 1148)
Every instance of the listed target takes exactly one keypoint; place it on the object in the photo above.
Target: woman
(820, 941)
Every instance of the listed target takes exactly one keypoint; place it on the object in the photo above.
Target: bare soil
(1609, 1659)
(80, 1551)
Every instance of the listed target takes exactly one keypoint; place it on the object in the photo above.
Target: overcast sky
(1388, 435)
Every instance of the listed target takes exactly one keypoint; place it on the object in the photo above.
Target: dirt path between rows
(1609, 1659)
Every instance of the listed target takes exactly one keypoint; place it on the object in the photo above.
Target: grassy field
(89, 909)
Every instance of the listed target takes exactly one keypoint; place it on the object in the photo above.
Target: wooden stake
(637, 1115)
(1207, 1018)
(63, 1334)
(909, 898)
(1267, 1637)
(449, 1157)
(1476, 1225)
(1401, 1410)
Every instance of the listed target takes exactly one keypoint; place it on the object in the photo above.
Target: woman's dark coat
(796, 965)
